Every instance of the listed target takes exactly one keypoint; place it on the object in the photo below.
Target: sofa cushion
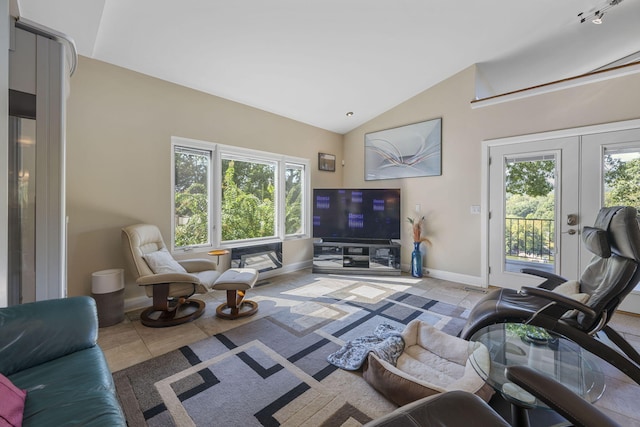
(11, 403)
(34, 333)
(76, 389)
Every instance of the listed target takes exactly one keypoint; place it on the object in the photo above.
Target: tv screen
(356, 214)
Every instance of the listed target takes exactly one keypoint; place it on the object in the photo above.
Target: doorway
(36, 219)
(543, 188)
(533, 187)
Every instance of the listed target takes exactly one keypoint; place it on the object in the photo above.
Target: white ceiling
(315, 60)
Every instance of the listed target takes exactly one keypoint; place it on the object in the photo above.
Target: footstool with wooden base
(236, 281)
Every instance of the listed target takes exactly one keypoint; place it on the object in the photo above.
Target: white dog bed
(432, 362)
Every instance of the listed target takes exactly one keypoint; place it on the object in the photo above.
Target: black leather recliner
(460, 408)
(611, 275)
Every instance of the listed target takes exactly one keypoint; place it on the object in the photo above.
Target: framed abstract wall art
(404, 152)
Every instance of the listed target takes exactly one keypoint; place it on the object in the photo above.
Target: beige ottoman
(236, 281)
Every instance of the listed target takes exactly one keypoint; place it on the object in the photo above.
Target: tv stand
(374, 257)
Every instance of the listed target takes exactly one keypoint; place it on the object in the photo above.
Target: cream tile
(126, 355)
(113, 336)
(620, 397)
(621, 419)
(625, 323)
(163, 340)
(451, 296)
(633, 339)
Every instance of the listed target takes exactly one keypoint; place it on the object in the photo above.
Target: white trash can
(107, 288)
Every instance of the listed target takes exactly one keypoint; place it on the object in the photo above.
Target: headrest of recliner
(596, 242)
(623, 230)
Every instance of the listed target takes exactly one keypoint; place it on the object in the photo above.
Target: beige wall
(119, 128)
(118, 155)
(446, 199)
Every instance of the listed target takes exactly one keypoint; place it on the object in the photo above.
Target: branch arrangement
(416, 225)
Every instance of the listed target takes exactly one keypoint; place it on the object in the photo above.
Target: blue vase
(416, 260)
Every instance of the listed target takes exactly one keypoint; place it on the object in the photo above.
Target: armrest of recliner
(197, 265)
(558, 397)
(163, 278)
(551, 280)
(563, 303)
(34, 333)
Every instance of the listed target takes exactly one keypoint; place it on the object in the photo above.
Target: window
(248, 199)
(294, 196)
(621, 177)
(224, 195)
(191, 199)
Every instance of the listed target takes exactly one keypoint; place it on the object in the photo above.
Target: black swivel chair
(459, 408)
(610, 276)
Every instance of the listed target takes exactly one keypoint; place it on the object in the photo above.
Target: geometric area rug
(273, 371)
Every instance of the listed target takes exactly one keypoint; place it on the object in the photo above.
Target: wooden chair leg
(235, 302)
(165, 313)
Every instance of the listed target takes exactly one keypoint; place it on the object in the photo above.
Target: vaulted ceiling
(315, 60)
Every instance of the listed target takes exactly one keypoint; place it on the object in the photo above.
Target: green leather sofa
(49, 349)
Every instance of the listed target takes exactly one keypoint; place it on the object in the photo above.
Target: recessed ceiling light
(350, 113)
(598, 18)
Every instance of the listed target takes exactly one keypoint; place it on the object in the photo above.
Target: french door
(543, 189)
(616, 181)
(533, 205)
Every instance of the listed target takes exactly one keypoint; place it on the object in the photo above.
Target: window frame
(304, 197)
(218, 151)
(196, 146)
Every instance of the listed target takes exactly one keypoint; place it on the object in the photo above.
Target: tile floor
(129, 343)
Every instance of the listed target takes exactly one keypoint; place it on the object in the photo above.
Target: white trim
(218, 151)
(207, 148)
(4, 137)
(456, 277)
(136, 303)
(484, 216)
(450, 276)
(626, 70)
(562, 133)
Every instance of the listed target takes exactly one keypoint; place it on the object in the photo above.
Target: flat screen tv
(348, 214)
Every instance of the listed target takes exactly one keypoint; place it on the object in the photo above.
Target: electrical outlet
(417, 208)
(475, 209)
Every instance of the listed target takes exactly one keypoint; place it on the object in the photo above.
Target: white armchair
(169, 282)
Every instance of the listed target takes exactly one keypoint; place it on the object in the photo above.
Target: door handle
(571, 231)
(572, 219)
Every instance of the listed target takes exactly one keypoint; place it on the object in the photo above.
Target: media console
(356, 258)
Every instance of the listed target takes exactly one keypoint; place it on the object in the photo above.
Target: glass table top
(512, 344)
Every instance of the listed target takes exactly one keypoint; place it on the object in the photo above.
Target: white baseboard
(452, 277)
(136, 303)
(456, 277)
